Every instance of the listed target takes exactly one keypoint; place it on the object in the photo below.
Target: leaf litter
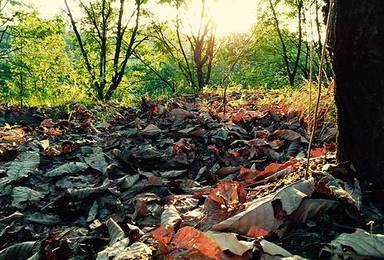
(176, 180)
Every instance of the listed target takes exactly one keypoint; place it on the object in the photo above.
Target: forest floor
(178, 179)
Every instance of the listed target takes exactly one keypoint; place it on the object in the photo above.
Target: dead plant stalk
(319, 86)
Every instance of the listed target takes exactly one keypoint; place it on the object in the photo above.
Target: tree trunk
(359, 66)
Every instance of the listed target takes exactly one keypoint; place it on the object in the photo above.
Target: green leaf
(359, 245)
(44, 219)
(19, 251)
(97, 161)
(24, 194)
(68, 168)
(25, 164)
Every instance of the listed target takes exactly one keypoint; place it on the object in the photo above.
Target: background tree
(291, 63)
(6, 19)
(104, 42)
(192, 50)
(359, 63)
(108, 55)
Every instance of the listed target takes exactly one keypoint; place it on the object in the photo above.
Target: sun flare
(229, 16)
(234, 16)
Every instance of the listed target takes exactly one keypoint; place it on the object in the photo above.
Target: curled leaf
(68, 168)
(19, 251)
(116, 233)
(229, 241)
(170, 217)
(268, 212)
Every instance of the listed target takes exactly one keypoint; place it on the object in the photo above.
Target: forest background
(126, 50)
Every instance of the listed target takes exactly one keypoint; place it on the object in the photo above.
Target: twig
(319, 86)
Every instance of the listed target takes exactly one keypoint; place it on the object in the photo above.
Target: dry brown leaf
(229, 241)
(268, 212)
(312, 207)
(170, 217)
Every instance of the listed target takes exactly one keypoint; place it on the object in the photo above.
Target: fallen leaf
(358, 245)
(19, 251)
(113, 250)
(25, 164)
(164, 236)
(170, 217)
(96, 160)
(190, 243)
(331, 187)
(273, 249)
(181, 114)
(151, 130)
(268, 212)
(288, 135)
(68, 168)
(44, 144)
(227, 194)
(24, 194)
(116, 233)
(246, 173)
(229, 241)
(93, 212)
(135, 251)
(275, 167)
(44, 219)
(257, 232)
(317, 152)
(312, 207)
(172, 174)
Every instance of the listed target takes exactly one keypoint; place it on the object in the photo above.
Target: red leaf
(67, 147)
(246, 174)
(200, 194)
(238, 117)
(163, 236)
(257, 232)
(195, 245)
(317, 152)
(228, 193)
(54, 132)
(234, 153)
(275, 167)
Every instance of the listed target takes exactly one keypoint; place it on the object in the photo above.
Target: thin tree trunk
(183, 52)
(117, 78)
(327, 68)
(283, 46)
(82, 48)
(300, 39)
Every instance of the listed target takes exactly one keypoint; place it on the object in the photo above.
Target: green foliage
(44, 64)
(40, 67)
(261, 63)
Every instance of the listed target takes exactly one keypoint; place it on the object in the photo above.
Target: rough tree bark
(358, 49)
